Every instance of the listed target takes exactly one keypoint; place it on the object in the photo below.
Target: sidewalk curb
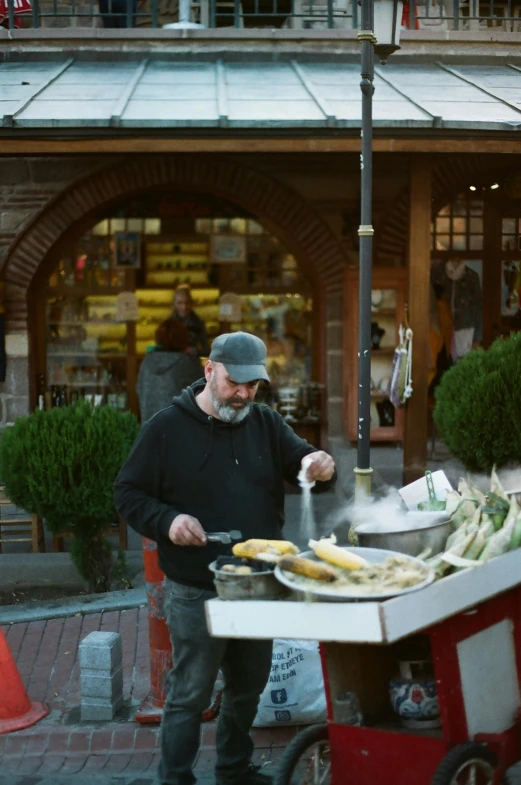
(18, 570)
(73, 606)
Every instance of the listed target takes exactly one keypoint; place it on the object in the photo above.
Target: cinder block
(98, 684)
(101, 651)
(96, 709)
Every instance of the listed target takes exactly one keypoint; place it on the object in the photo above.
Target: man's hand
(318, 466)
(186, 530)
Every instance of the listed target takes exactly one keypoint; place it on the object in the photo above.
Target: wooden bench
(118, 529)
(17, 529)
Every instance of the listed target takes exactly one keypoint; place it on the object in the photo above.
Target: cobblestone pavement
(62, 750)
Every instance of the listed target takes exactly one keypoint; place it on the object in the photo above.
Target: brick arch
(278, 207)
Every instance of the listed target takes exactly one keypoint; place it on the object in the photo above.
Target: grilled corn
(252, 548)
(333, 554)
(282, 546)
(310, 569)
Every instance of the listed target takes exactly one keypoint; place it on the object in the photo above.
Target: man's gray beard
(228, 413)
(225, 411)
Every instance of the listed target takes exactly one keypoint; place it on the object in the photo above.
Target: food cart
(472, 623)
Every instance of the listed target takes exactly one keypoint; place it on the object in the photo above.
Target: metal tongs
(224, 537)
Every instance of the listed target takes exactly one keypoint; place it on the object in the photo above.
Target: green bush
(478, 406)
(61, 465)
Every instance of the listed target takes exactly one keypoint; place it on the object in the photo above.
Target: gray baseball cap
(243, 355)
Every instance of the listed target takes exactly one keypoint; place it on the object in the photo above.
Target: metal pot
(429, 532)
(256, 586)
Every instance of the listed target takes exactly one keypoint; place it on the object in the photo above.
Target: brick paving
(60, 749)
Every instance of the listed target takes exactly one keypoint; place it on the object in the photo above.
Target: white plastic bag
(294, 694)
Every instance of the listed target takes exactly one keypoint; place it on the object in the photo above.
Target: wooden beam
(146, 144)
(419, 262)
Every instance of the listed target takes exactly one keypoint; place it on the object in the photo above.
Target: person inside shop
(459, 287)
(183, 311)
(114, 12)
(166, 369)
(213, 461)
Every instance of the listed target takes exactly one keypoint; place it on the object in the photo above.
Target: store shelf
(95, 323)
(65, 383)
(84, 292)
(94, 355)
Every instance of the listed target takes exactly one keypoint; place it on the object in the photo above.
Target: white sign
(230, 307)
(417, 492)
(127, 309)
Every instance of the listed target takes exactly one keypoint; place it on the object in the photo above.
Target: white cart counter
(365, 622)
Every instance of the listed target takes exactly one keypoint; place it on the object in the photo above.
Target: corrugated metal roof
(70, 93)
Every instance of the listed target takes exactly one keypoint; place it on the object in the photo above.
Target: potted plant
(61, 465)
(478, 404)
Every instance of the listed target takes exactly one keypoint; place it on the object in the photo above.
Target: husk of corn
(452, 502)
(496, 487)
(515, 542)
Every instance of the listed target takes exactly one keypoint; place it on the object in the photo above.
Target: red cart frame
(473, 622)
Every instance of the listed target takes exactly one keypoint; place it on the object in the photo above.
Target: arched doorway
(280, 212)
(239, 275)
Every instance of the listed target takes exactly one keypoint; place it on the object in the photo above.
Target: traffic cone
(16, 710)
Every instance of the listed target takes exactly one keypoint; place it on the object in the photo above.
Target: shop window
(511, 273)
(458, 226)
(109, 226)
(511, 234)
(90, 353)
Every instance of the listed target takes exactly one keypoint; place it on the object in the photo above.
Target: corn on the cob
(252, 548)
(282, 546)
(308, 568)
(246, 550)
(333, 554)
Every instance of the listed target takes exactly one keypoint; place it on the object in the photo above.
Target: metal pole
(10, 14)
(363, 469)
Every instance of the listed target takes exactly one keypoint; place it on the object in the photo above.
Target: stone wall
(27, 186)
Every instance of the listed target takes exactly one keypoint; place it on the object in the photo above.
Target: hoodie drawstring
(233, 449)
(210, 442)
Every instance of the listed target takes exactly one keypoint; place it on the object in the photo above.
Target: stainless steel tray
(326, 592)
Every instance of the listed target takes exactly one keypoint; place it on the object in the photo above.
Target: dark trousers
(245, 666)
(114, 14)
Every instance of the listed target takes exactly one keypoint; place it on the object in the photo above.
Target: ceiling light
(493, 187)
(472, 188)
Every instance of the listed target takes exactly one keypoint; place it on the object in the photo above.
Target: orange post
(151, 709)
(16, 710)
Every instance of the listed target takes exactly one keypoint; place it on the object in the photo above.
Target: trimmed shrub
(478, 406)
(61, 465)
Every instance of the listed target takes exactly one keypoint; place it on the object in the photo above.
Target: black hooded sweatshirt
(228, 476)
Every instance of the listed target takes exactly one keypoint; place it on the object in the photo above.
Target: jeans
(245, 665)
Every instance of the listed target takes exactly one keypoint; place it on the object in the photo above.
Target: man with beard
(213, 461)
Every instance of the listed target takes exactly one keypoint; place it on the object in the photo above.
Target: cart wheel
(306, 760)
(467, 764)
